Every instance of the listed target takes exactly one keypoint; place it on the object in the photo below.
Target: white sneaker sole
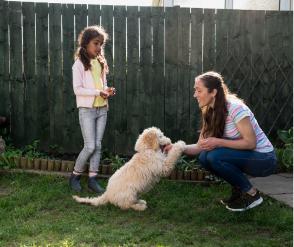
(252, 205)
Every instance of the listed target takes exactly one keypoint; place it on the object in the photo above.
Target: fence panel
(154, 55)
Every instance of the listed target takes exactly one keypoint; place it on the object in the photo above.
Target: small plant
(6, 158)
(31, 150)
(186, 164)
(115, 161)
(285, 153)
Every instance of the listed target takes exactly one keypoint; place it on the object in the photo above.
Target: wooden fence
(154, 55)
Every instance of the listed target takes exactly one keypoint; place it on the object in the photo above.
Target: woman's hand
(209, 143)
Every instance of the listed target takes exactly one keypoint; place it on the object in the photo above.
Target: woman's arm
(246, 142)
(192, 149)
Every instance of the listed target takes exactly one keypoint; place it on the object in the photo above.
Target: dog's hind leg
(139, 206)
(142, 202)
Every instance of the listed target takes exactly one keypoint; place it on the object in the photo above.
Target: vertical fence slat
(270, 58)
(120, 78)
(209, 40)
(233, 46)
(145, 82)
(222, 29)
(258, 83)
(4, 60)
(107, 23)
(93, 14)
(279, 69)
(237, 67)
(157, 97)
(287, 68)
(71, 142)
(42, 72)
(171, 71)
(56, 83)
(133, 99)
(81, 13)
(31, 106)
(17, 84)
(196, 69)
(184, 89)
(242, 73)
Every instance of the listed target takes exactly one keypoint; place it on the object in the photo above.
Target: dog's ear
(151, 140)
(147, 140)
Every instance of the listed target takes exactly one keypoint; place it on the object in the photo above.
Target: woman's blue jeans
(231, 164)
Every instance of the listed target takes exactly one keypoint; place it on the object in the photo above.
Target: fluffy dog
(140, 173)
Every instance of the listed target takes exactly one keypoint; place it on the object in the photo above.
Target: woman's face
(94, 46)
(202, 95)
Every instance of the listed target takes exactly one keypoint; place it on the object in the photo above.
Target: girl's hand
(209, 143)
(104, 94)
(111, 91)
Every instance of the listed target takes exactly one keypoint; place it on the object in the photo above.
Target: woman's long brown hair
(84, 39)
(214, 118)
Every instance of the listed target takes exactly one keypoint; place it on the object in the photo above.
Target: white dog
(140, 173)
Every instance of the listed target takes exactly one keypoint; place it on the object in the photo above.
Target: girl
(231, 142)
(90, 87)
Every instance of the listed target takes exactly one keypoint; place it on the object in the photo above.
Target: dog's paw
(181, 145)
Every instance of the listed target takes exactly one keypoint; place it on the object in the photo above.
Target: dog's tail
(95, 201)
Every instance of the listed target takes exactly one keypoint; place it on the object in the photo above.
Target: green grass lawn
(39, 211)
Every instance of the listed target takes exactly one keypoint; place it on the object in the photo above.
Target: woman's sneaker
(236, 194)
(245, 202)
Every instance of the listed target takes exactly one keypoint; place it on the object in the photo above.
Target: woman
(231, 142)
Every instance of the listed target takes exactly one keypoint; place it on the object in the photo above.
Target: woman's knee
(203, 160)
(213, 158)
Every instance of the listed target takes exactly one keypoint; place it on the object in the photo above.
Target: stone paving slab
(278, 186)
(285, 198)
(286, 175)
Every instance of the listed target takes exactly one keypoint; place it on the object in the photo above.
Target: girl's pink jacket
(83, 85)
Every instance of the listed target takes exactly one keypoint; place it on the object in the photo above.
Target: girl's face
(94, 47)
(202, 95)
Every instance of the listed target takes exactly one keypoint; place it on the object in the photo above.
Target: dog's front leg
(172, 157)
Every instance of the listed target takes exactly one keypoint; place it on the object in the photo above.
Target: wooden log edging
(65, 167)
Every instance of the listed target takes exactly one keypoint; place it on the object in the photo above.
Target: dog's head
(151, 138)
